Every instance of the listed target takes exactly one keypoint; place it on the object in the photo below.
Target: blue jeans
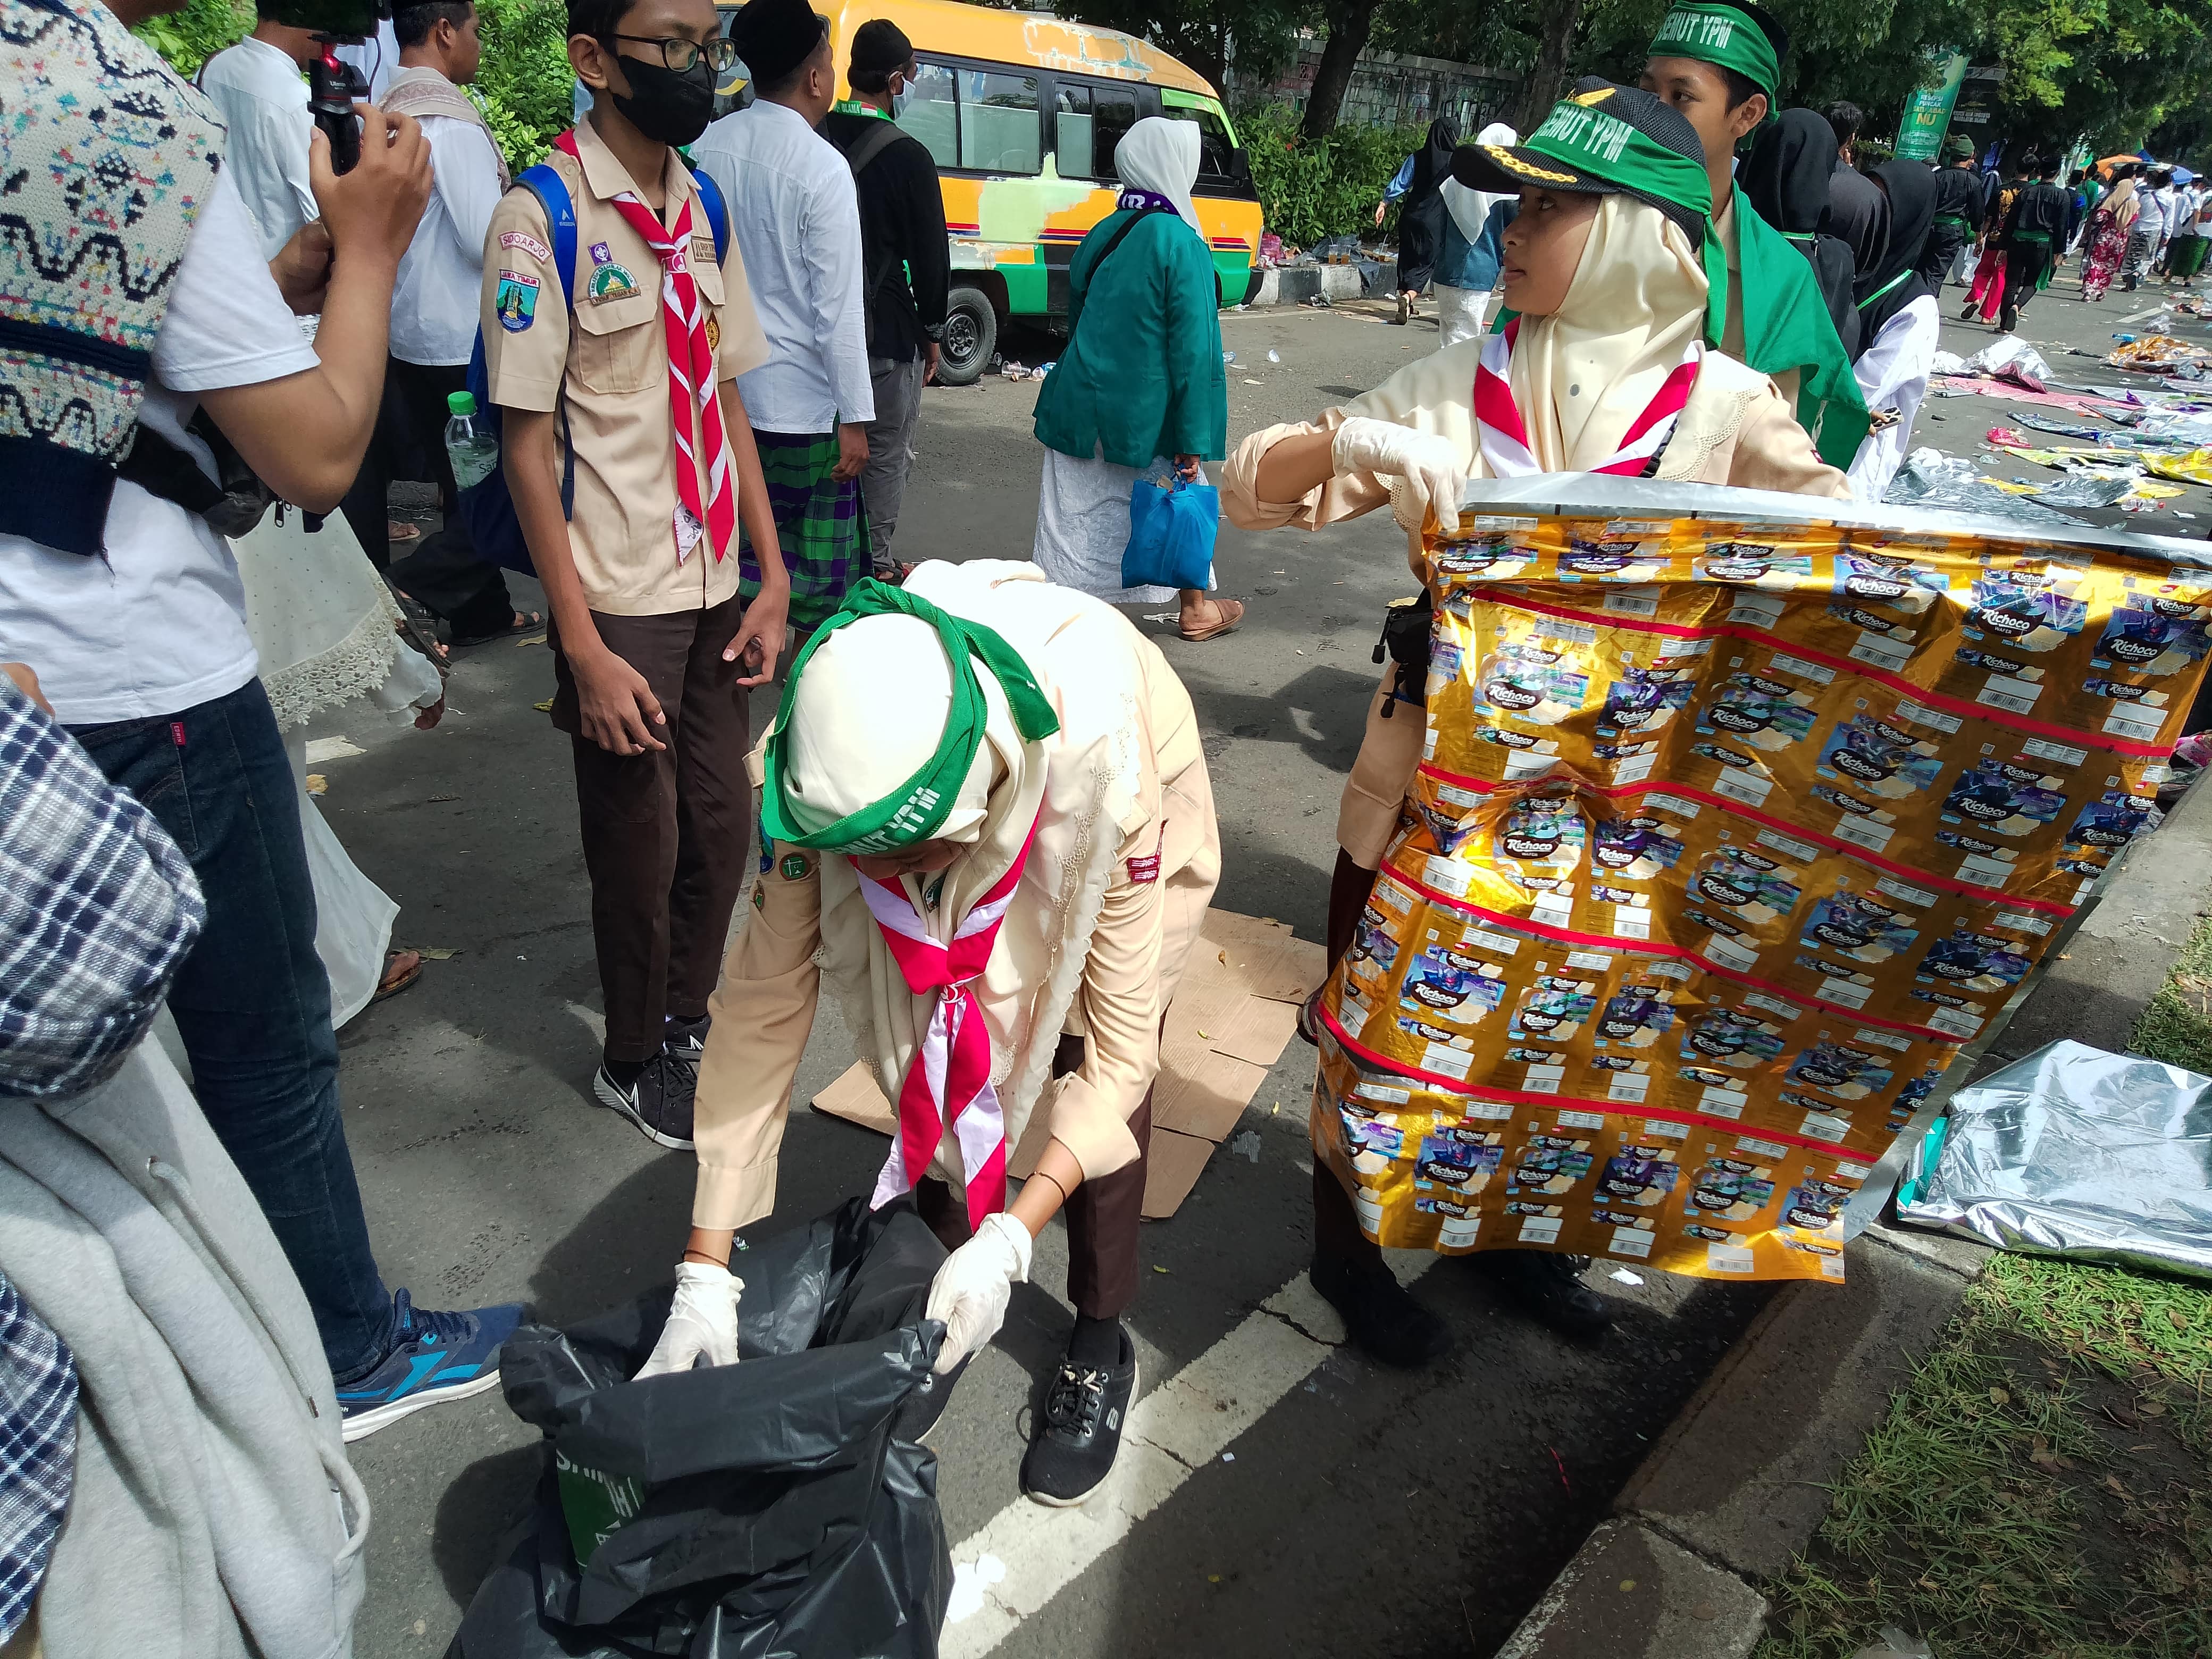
(253, 1002)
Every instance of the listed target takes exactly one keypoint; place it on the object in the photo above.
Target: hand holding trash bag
(702, 1322)
(971, 1290)
(1432, 476)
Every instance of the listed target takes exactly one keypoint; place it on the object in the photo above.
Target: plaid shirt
(37, 1452)
(97, 909)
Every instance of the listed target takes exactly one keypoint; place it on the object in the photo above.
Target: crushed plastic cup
(1274, 356)
(1228, 357)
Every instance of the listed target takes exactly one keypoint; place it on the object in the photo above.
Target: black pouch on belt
(1406, 641)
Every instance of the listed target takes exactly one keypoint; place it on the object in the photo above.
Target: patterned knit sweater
(106, 158)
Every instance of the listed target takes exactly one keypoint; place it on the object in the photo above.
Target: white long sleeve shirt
(797, 221)
(262, 95)
(435, 297)
(1892, 374)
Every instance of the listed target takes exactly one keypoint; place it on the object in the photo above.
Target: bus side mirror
(1240, 166)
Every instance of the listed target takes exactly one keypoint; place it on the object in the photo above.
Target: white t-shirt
(159, 624)
(262, 97)
(434, 300)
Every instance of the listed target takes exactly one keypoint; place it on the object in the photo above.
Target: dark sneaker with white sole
(433, 1358)
(685, 1040)
(658, 1101)
(1084, 1413)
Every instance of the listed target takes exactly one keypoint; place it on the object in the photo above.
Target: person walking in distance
(654, 648)
(905, 264)
(795, 216)
(116, 590)
(433, 320)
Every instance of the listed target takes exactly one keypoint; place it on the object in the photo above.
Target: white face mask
(902, 91)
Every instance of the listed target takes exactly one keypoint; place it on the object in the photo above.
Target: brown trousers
(1103, 1215)
(665, 833)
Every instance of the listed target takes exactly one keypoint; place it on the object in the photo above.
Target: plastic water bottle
(473, 451)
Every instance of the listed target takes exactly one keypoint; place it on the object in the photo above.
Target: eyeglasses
(681, 55)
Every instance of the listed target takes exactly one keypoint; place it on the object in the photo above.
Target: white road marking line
(1173, 1431)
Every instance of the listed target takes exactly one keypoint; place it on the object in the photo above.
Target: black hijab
(1421, 214)
(1909, 188)
(1786, 180)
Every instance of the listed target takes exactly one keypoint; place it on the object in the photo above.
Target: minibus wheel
(971, 334)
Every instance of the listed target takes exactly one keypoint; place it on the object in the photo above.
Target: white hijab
(1470, 209)
(1161, 155)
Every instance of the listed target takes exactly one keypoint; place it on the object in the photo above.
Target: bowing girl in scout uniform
(1619, 287)
(994, 842)
(654, 649)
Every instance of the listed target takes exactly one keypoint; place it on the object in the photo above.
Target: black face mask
(663, 104)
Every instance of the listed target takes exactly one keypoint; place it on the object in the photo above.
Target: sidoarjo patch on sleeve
(515, 300)
(529, 244)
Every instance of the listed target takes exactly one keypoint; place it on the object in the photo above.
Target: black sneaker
(1084, 1413)
(658, 1101)
(1549, 1288)
(685, 1040)
(1384, 1319)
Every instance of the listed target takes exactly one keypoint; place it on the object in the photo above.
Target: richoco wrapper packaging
(1730, 834)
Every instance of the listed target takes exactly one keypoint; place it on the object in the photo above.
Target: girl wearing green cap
(987, 828)
(1719, 65)
(1608, 366)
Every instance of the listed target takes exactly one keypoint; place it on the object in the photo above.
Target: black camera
(333, 86)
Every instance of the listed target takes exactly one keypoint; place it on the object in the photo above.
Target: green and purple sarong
(820, 522)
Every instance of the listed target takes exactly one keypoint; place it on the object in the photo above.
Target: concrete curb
(1737, 1485)
(1294, 285)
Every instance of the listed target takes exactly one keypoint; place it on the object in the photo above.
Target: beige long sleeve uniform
(1151, 917)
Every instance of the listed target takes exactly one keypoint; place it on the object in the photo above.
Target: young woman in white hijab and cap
(994, 840)
(1468, 258)
(1618, 284)
(1140, 389)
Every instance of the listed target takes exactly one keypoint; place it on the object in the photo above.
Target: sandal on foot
(401, 970)
(399, 530)
(1227, 613)
(522, 621)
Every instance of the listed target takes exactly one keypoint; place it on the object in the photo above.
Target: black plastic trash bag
(778, 1506)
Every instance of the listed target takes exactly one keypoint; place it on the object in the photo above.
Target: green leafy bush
(1311, 193)
(523, 86)
(189, 38)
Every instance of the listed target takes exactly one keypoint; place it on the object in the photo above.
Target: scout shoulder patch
(612, 282)
(713, 335)
(795, 866)
(601, 253)
(525, 242)
(515, 300)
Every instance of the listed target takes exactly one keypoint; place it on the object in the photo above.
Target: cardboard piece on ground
(1171, 1170)
(855, 1097)
(1235, 1011)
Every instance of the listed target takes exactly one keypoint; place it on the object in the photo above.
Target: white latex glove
(702, 1322)
(1430, 471)
(971, 1290)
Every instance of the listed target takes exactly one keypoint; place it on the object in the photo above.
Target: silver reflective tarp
(2077, 1152)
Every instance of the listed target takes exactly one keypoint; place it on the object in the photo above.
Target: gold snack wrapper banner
(1730, 834)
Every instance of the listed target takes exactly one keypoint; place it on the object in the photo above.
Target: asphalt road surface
(1281, 1495)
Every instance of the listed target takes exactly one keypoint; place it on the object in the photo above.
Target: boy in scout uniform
(653, 648)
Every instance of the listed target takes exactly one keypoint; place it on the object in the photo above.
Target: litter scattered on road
(1247, 1146)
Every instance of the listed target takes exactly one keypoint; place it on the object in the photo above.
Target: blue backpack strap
(552, 193)
(718, 216)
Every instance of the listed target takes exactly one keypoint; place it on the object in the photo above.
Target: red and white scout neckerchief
(950, 1075)
(690, 377)
(1503, 439)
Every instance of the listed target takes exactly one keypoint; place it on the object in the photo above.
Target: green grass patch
(2176, 1024)
(2042, 1489)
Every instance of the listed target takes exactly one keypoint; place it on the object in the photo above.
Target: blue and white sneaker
(433, 1358)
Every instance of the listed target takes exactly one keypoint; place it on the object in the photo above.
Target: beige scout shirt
(615, 360)
(1146, 932)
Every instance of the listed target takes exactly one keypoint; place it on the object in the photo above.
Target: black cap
(775, 37)
(1508, 168)
(879, 47)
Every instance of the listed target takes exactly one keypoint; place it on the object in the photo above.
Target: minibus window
(1072, 130)
(998, 122)
(930, 116)
(1113, 111)
(1214, 144)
